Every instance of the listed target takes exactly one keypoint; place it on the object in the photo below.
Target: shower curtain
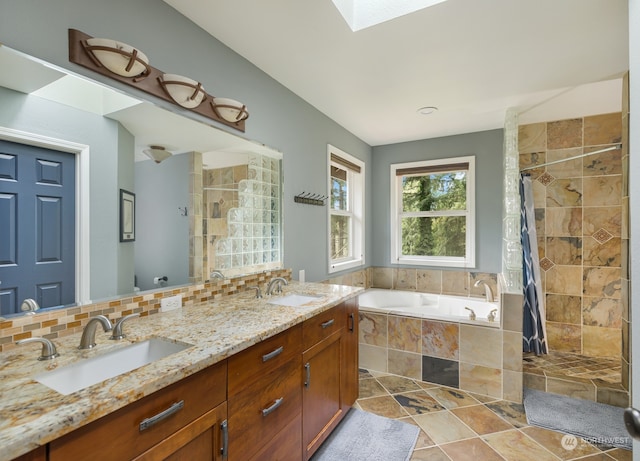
(533, 328)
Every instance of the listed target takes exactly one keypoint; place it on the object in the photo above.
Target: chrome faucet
(488, 292)
(117, 328)
(277, 283)
(216, 275)
(48, 348)
(88, 339)
(491, 317)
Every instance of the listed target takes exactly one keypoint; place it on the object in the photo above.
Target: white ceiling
(472, 59)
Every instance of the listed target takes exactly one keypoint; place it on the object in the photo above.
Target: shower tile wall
(578, 208)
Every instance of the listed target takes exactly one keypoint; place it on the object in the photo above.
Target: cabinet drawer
(322, 325)
(118, 435)
(251, 364)
(286, 446)
(257, 414)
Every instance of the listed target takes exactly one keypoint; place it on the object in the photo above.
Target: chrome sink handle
(48, 348)
(258, 292)
(88, 340)
(117, 329)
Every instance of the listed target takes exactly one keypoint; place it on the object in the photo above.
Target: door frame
(82, 224)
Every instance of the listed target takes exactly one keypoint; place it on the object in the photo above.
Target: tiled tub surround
(474, 358)
(580, 225)
(57, 323)
(31, 414)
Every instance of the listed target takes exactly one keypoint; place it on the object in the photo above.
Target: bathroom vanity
(261, 381)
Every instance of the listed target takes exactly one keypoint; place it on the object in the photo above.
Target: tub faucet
(88, 339)
(117, 328)
(277, 283)
(488, 292)
(472, 314)
(492, 315)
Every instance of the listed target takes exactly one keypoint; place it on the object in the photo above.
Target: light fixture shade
(230, 109)
(157, 153)
(183, 90)
(118, 57)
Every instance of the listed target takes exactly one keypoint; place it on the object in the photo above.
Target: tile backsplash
(56, 323)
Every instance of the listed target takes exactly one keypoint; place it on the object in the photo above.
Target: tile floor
(458, 426)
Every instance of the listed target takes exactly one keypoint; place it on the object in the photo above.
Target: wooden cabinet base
(200, 440)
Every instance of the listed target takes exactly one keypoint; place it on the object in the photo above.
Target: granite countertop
(31, 414)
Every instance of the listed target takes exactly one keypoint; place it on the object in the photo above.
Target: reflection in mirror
(213, 204)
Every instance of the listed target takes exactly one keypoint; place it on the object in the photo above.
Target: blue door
(37, 226)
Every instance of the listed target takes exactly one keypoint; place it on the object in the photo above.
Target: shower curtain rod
(532, 167)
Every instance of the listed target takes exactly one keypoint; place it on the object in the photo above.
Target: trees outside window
(433, 212)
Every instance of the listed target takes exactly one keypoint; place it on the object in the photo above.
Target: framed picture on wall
(127, 216)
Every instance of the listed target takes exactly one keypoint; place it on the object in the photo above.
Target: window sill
(461, 263)
(344, 265)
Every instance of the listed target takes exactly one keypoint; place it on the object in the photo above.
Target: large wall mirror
(212, 205)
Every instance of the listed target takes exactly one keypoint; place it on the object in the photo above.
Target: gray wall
(279, 118)
(126, 255)
(162, 233)
(487, 147)
(33, 114)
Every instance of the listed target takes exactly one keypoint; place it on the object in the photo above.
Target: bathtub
(429, 306)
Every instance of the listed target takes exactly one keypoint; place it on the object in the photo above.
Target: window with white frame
(433, 212)
(346, 210)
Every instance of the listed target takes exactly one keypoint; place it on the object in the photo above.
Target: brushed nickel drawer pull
(328, 323)
(224, 450)
(272, 354)
(147, 423)
(276, 404)
(307, 369)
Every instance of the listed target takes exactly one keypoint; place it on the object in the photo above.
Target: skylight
(361, 14)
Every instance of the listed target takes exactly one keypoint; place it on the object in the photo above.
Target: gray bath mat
(597, 423)
(363, 436)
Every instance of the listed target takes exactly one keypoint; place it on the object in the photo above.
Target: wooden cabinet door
(322, 393)
(39, 454)
(203, 440)
(350, 354)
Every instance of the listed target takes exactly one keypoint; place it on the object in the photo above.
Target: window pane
(429, 236)
(339, 190)
(435, 192)
(340, 230)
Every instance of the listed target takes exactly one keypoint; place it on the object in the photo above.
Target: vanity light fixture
(230, 109)
(183, 90)
(130, 66)
(118, 57)
(157, 153)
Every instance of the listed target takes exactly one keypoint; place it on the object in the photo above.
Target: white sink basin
(88, 372)
(293, 300)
